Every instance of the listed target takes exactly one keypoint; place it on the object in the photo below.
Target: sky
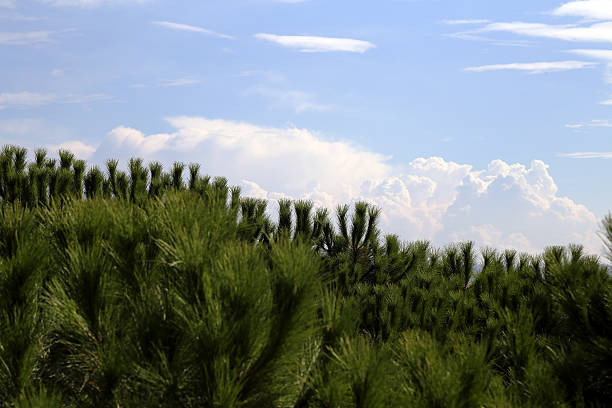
(462, 120)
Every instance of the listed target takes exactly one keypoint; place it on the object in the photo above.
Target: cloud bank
(502, 205)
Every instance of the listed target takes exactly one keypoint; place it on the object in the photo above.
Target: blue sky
(479, 120)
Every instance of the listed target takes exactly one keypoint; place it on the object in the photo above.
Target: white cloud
(476, 36)
(7, 3)
(13, 16)
(592, 9)
(26, 38)
(25, 99)
(269, 76)
(593, 123)
(534, 67)
(90, 3)
(597, 54)
(170, 83)
(317, 44)
(523, 206)
(587, 155)
(605, 55)
(600, 32)
(185, 27)
(85, 98)
(81, 150)
(466, 22)
(180, 82)
(297, 100)
(428, 198)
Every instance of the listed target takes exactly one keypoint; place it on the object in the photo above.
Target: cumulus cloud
(592, 9)
(186, 27)
(534, 67)
(506, 205)
(519, 207)
(317, 44)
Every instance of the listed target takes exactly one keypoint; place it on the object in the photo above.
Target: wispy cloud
(7, 3)
(297, 100)
(24, 100)
(180, 82)
(270, 76)
(85, 98)
(593, 123)
(534, 67)
(465, 22)
(318, 44)
(168, 83)
(195, 29)
(91, 3)
(475, 35)
(598, 54)
(586, 155)
(605, 55)
(13, 16)
(600, 32)
(27, 38)
(593, 9)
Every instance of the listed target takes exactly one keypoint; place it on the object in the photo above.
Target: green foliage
(140, 288)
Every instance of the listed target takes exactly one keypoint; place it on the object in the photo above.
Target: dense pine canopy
(148, 288)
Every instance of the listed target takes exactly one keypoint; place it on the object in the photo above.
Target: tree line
(170, 289)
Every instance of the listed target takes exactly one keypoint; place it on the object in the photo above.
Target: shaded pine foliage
(168, 289)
